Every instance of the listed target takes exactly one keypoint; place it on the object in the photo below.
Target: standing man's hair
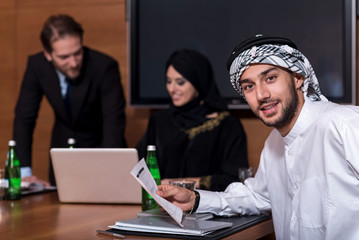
(58, 26)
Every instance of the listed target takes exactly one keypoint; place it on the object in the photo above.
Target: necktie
(68, 95)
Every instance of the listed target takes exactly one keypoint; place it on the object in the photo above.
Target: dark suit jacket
(97, 104)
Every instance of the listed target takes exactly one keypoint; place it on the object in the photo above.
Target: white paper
(141, 173)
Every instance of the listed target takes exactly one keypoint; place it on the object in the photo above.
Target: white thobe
(308, 179)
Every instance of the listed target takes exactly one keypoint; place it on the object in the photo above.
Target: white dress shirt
(62, 82)
(309, 179)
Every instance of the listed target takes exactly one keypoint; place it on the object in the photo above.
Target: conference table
(42, 216)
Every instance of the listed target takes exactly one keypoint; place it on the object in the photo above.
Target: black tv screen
(324, 32)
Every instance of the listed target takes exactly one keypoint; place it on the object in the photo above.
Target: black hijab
(197, 69)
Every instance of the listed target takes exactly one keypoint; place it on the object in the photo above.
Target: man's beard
(65, 71)
(289, 112)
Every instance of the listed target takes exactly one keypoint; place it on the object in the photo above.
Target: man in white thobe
(308, 176)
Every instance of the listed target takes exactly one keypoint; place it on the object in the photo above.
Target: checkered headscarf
(278, 55)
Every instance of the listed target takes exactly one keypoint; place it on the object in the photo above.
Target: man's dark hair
(56, 27)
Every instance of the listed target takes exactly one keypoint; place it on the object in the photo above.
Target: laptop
(96, 175)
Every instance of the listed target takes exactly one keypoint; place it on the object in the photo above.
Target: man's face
(67, 55)
(272, 93)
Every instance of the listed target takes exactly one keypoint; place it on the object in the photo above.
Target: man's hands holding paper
(178, 196)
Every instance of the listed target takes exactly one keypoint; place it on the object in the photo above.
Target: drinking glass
(189, 184)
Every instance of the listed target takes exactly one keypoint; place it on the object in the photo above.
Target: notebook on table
(239, 223)
(169, 225)
(95, 175)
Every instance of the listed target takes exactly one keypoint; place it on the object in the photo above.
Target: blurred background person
(196, 138)
(82, 85)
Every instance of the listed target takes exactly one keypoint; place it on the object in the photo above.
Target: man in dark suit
(83, 87)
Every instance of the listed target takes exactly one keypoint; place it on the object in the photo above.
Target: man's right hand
(34, 179)
(179, 196)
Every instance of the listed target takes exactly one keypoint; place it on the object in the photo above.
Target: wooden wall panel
(7, 4)
(61, 3)
(257, 133)
(7, 77)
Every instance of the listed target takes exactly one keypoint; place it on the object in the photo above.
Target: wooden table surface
(42, 216)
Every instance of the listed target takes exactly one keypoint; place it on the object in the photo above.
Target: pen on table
(110, 234)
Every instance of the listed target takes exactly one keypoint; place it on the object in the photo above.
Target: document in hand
(141, 173)
(168, 225)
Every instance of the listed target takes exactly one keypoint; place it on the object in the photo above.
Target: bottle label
(4, 183)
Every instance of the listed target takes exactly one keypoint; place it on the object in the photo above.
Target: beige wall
(105, 30)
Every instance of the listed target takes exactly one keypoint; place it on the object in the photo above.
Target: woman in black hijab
(196, 138)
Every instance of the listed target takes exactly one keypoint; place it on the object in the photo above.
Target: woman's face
(179, 88)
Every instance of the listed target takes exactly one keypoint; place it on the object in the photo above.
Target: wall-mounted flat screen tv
(323, 30)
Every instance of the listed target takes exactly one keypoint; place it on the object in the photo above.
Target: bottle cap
(12, 143)
(71, 141)
(151, 148)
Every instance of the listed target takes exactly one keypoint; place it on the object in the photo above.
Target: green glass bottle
(151, 160)
(71, 142)
(12, 174)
